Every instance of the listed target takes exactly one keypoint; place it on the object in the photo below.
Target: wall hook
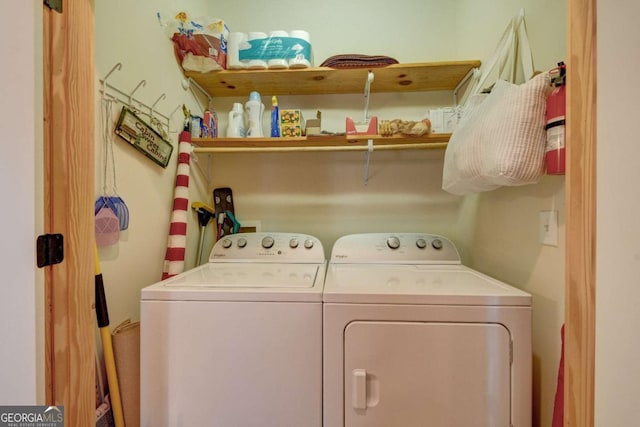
(103, 82)
(118, 66)
(174, 111)
(153, 106)
(142, 83)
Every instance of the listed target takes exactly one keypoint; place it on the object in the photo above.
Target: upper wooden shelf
(322, 80)
(319, 143)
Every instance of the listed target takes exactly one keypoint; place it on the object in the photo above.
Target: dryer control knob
(268, 242)
(308, 243)
(421, 243)
(393, 242)
(436, 243)
(293, 243)
(242, 242)
(226, 243)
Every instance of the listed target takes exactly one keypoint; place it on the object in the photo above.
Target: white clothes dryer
(237, 341)
(414, 338)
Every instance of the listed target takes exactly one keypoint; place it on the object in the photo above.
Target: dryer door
(427, 373)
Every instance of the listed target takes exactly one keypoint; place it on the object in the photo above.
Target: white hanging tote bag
(500, 140)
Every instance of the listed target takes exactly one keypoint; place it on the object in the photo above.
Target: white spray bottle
(255, 110)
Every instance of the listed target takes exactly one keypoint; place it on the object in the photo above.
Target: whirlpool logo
(32, 416)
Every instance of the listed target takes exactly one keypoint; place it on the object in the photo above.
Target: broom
(102, 316)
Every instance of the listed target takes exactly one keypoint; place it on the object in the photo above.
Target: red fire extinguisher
(555, 127)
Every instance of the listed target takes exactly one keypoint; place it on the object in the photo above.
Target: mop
(176, 242)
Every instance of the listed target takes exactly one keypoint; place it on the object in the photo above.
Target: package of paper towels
(200, 44)
(278, 49)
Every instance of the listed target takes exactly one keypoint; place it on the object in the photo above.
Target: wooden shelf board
(322, 80)
(318, 143)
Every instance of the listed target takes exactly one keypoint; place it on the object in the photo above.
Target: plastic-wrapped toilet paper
(279, 50)
(276, 63)
(257, 64)
(237, 41)
(302, 58)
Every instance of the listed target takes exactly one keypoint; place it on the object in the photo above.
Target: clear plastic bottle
(235, 128)
(255, 110)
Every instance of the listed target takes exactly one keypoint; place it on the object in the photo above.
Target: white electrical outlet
(549, 228)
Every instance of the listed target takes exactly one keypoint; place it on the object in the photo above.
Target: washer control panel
(395, 248)
(275, 247)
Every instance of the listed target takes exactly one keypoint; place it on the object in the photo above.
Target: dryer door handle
(359, 395)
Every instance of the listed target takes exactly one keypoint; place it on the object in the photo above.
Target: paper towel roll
(278, 63)
(236, 41)
(257, 64)
(300, 60)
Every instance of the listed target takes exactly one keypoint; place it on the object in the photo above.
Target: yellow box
(290, 130)
(291, 117)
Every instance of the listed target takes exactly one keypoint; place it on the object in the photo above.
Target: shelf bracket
(475, 73)
(367, 93)
(189, 83)
(367, 158)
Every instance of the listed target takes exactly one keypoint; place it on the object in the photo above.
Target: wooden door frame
(580, 278)
(69, 144)
(69, 158)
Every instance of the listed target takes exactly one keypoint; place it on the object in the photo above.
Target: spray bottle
(255, 109)
(275, 118)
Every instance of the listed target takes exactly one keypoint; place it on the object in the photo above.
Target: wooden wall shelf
(319, 143)
(414, 77)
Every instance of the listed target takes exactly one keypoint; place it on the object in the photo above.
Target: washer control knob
(242, 242)
(393, 242)
(293, 243)
(308, 244)
(437, 244)
(421, 243)
(226, 243)
(268, 242)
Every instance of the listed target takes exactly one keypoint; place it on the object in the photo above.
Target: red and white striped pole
(177, 240)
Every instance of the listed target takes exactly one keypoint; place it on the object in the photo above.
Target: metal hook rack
(128, 99)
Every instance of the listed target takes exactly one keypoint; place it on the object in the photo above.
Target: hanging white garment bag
(500, 139)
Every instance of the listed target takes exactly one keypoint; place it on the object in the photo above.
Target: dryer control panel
(268, 247)
(394, 248)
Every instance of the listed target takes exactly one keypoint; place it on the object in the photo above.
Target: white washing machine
(414, 338)
(237, 341)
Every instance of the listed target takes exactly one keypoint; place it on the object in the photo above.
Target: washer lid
(242, 282)
(418, 284)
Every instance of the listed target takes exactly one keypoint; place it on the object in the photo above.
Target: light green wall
(501, 227)
(324, 193)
